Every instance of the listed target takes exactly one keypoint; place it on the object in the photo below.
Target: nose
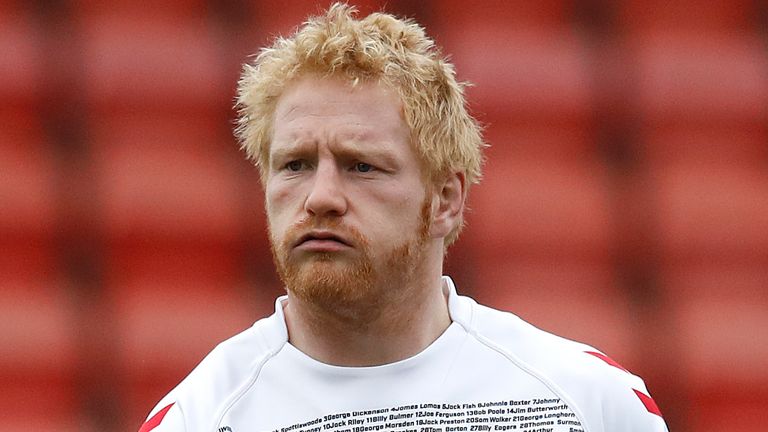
(326, 198)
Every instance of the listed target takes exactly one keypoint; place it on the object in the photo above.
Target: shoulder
(195, 403)
(601, 392)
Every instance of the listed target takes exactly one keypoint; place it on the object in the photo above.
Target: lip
(319, 240)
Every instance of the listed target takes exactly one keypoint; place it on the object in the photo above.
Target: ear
(447, 204)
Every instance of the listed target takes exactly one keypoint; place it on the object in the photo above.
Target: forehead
(314, 105)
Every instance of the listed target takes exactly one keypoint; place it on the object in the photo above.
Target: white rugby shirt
(489, 371)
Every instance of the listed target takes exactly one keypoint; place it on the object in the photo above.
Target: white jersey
(489, 371)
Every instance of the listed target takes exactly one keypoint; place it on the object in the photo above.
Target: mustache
(304, 228)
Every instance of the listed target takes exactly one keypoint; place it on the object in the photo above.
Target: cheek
(277, 199)
(277, 196)
(400, 213)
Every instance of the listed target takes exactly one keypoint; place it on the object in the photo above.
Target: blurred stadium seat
(541, 237)
(532, 67)
(523, 74)
(28, 172)
(38, 354)
(168, 8)
(171, 307)
(501, 14)
(719, 310)
(700, 78)
(703, 98)
(540, 207)
(166, 177)
(730, 144)
(39, 405)
(174, 226)
(540, 227)
(692, 16)
(38, 348)
(21, 64)
(575, 299)
(713, 220)
(711, 210)
(138, 60)
(273, 18)
(533, 141)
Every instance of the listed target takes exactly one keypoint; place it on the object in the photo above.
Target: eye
(363, 167)
(294, 165)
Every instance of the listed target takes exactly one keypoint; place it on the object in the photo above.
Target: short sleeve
(626, 403)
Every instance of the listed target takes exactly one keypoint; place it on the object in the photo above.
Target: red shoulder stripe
(155, 420)
(649, 403)
(606, 359)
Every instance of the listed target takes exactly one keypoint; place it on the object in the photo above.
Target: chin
(328, 278)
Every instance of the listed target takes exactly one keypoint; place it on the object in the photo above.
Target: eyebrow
(378, 156)
(286, 151)
(348, 150)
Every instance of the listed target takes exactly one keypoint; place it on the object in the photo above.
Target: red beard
(353, 286)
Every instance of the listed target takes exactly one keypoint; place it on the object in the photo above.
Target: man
(366, 154)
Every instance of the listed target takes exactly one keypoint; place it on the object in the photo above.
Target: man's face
(347, 207)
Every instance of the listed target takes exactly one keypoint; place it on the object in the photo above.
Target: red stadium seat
(541, 235)
(21, 62)
(38, 317)
(454, 15)
(538, 140)
(168, 177)
(719, 311)
(38, 329)
(733, 145)
(714, 16)
(38, 343)
(39, 405)
(541, 208)
(575, 299)
(170, 308)
(745, 414)
(701, 79)
(711, 211)
(7, 7)
(139, 60)
(716, 280)
(169, 8)
(27, 170)
(702, 96)
(524, 61)
(523, 74)
(277, 18)
(174, 217)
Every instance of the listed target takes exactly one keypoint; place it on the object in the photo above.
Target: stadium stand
(38, 349)
(21, 65)
(137, 59)
(701, 103)
(174, 234)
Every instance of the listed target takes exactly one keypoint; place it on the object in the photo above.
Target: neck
(405, 327)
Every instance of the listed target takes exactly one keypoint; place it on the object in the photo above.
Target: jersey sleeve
(627, 405)
(165, 417)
